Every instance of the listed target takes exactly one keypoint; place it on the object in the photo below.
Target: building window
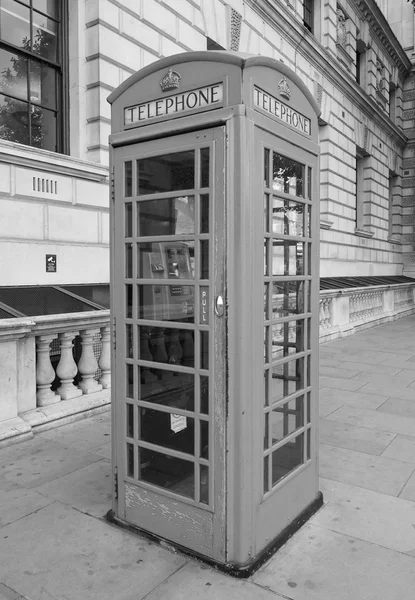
(308, 14)
(31, 72)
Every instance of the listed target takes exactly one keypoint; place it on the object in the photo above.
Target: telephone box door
(169, 297)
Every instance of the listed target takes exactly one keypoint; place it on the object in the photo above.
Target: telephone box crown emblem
(284, 88)
(170, 81)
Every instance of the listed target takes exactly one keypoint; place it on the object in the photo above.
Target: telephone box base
(239, 571)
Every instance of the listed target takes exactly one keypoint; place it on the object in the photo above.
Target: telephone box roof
(241, 59)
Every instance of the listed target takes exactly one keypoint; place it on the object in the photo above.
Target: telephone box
(215, 221)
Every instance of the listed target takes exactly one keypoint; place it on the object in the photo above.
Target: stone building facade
(356, 64)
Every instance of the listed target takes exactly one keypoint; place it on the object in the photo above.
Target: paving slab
(352, 385)
(6, 593)
(374, 420)
(391, 389)
(404, 378)
(203, 583)
(367, 515)
(354, 437)
(378, 368)
(105, 451)
(326, 407)
(397, 406)
(364, 470)
(88, 489)
(81, 435)
(337, 372)
(43, 460)
(402, 448)
(318, 564)
(408, 491)
(17, 502)
(358, 399)
(63, 554)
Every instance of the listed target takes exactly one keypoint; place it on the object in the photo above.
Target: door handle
(219, 306)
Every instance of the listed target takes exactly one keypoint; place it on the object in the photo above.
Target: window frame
(60, 68)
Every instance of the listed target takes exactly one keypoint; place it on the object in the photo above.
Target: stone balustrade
(345, 311)
(52, 368)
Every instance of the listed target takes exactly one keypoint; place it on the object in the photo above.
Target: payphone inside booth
(214, 259)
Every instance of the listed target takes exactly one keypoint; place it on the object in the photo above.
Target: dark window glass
(308, 14)
(168, 472)
(166, 173)
(288, 176)
(30, 88)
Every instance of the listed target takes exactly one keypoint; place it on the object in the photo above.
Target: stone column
(104, 362)
(45, 373)
(67, 368)
(87, 365)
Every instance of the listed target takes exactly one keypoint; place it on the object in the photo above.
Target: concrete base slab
(203, 583)
(364, 470)
(88, 489)
(317, 564)
(71, 556)
(366, 515)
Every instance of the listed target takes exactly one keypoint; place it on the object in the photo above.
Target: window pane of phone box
(166, 173)
(166, 302)
(167, 216)
(166, 260)
(169, 472)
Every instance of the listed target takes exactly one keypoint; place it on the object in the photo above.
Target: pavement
(56, 488)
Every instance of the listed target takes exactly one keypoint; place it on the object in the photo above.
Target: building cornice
(281, 19)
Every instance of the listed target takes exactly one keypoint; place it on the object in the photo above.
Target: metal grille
(35, 301)
(334, 283)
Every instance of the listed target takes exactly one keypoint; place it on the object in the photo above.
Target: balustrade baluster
(45, 373)
(67, 368)
(88, 365)
(104, 362)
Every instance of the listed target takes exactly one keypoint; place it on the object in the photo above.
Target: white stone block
(26, 374)
(4, 178)
(183, 8)
(21, 219)
(31, 183)
(189, 37)
(72, 224)
(89, 193)
(139, 31)
(8, 378)
(168, 48)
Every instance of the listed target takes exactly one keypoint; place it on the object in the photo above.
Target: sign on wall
(51, 263)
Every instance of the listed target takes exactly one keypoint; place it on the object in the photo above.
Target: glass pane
(128, 219)
(129, 340)
(266, 482)
(287, 458)
(204, 213)
(308, 433)
(43, 128)
(128, 260)
(14, 120)
(166, 345)
(309, 407)
(13, 70)
(285, 419)
(44, 36)
(309, 183)
(204, 259)
(204, 350)
(130, 420)
(129, 301)
(287, 257)
(266, 387)
(266, 167)
(170, 216)
(266, 431)
(287, 298)
(128, 179)
(266, 258)
(50, 7)
(168, 430)
(204, 167)
(204, 439)
(266, 213)
(287, 379)
(204, 394)
(288, 176)
(176, 390)
(130, 381)
(162, 470)
(308, 230)
(287, 338)
(166, 302)
(166, 260)
(266, 344)
(15, 24)
(287, 217)
(42, 81)
(130, 460)
(204, 484)
(166, 173)
(266, 301)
